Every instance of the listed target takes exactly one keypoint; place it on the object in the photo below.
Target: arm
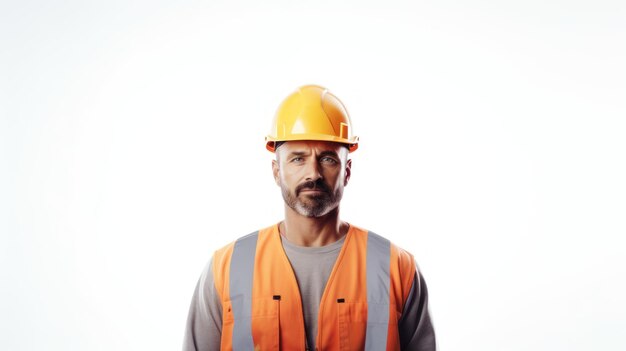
(204, 322)
(415, 327)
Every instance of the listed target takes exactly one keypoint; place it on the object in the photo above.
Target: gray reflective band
(378, 280)
(241, 274)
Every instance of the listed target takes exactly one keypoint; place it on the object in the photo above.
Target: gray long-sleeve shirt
(312, 267)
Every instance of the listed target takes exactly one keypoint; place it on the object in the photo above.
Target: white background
(492, 148)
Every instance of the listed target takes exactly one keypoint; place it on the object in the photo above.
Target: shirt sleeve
(204, 322)
(415, 327)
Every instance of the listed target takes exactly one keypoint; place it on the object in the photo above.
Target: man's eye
(297, 159)
(329, 160)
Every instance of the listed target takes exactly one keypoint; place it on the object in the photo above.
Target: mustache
(317, 185)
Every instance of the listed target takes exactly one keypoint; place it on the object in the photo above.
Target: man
(311, 281)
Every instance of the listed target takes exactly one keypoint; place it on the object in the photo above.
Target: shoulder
(397, 254)
(402, 263)
(247, 239)
(222, 257)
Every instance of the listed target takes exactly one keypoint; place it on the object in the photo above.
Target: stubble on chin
(313, 206)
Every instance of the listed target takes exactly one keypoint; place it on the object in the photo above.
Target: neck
(312, 231)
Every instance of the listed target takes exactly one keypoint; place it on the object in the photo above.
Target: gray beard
(316, 206)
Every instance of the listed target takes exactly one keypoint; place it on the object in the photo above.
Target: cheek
(286, 179)
(334, 179)
(291, 174)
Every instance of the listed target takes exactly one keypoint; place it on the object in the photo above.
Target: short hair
(277, 144)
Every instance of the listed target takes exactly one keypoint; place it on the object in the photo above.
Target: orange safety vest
(359, 310)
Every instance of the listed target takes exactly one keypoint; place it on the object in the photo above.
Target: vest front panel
(359, 310)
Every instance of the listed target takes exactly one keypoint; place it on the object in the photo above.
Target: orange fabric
(401, 274)
(277, 317)
(221, 269)
(347, 281)
(273, 276)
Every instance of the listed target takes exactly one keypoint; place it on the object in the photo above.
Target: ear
(348, 172)
(276, 172)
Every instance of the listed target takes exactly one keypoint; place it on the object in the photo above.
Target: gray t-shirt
(312, 267)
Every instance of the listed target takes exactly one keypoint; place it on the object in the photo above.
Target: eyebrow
(297, 153)
(329, 153)
(322, 154)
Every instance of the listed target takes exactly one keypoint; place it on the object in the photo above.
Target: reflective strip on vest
(378, 258)
(241, 277)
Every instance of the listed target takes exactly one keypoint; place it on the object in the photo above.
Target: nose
(312, 171)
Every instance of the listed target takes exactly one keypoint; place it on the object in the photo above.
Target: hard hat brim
(352, 143)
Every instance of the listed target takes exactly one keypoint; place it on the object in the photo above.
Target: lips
(312, 191)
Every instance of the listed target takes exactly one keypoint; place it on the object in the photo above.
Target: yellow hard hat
(312, 113)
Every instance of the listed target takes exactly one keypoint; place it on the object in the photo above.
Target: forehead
(310, 145)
